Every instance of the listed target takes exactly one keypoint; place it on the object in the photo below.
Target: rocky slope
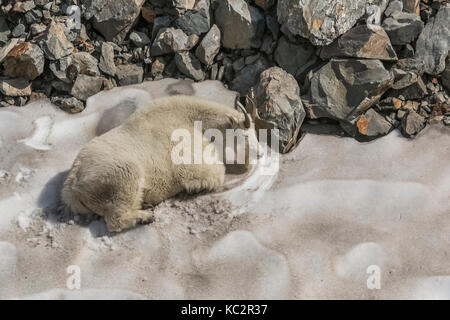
(360, 68)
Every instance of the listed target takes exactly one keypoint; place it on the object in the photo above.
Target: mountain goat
(130, 167)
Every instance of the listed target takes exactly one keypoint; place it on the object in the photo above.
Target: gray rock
(209, 47)
(197, 21)
(15, 87)
(113, 18)
(249, 76)
(33, 16)
(59, 68)
(394, 6)
(319, 21)
(170, 40)
(139, 39)
(86, 63)
(4, 50)
(189, 65)
(183, 4)
(107, 59)
(446, 76)
(363, 41)
(368, 126)
(37, 28)
(268, 45)
(239, 64)
(86, 86)
(18, 30)
(25, 60)
(55, 44)
(412, 123)
(294, 58)
(160, 23)
(68, 104)
(4, 30)
(242, 25)
(277, 97)
(129, 74)
(402, 27)
(433, 44)
(345, 89)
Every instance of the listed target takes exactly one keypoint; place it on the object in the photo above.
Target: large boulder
(319, 21)
(368, 126)
(297, 59)
(113, 18)
(55, 43)
(363, 41)
(171, 40)
(433, 44)
(25, 60)
(242, 25)
(277, 98)
(197, 21)
(344, 89)
(402, 27)
(209, 47)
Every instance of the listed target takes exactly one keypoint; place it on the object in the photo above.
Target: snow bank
(311, 230)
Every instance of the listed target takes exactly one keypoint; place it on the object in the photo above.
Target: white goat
(118, 173)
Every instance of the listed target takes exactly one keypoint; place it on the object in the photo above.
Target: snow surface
(310, 230)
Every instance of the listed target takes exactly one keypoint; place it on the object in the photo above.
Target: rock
(86, 64)
(344, 89)
(25, 60)
(18, 30)
(363, 41)
(4, 30)
(412, 6)
(129, 74)
(158, 66)
(320, 22)
(394, 6)
(183, 4)
(160, 23)
(265, 4)
(107, 59)
(37, 28)
(23, 6)
(368, 126)
(415, 90)
(402, 27)
(86, 86)
(242, 25)
(249, 76)
(59, 68)
(446, 76)
(15, 87)
(239, 64)
(170, 40)
(113, 18)
(148, 14)
(188, 64)
(433, 44)
(412, 123)
(277, 97)
(68, 104)
(294, 58)
(209, 47)
(197, 21)
(4, 50)
(55, 44)
(139, 39)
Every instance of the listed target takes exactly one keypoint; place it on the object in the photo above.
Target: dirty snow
(334, 208)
